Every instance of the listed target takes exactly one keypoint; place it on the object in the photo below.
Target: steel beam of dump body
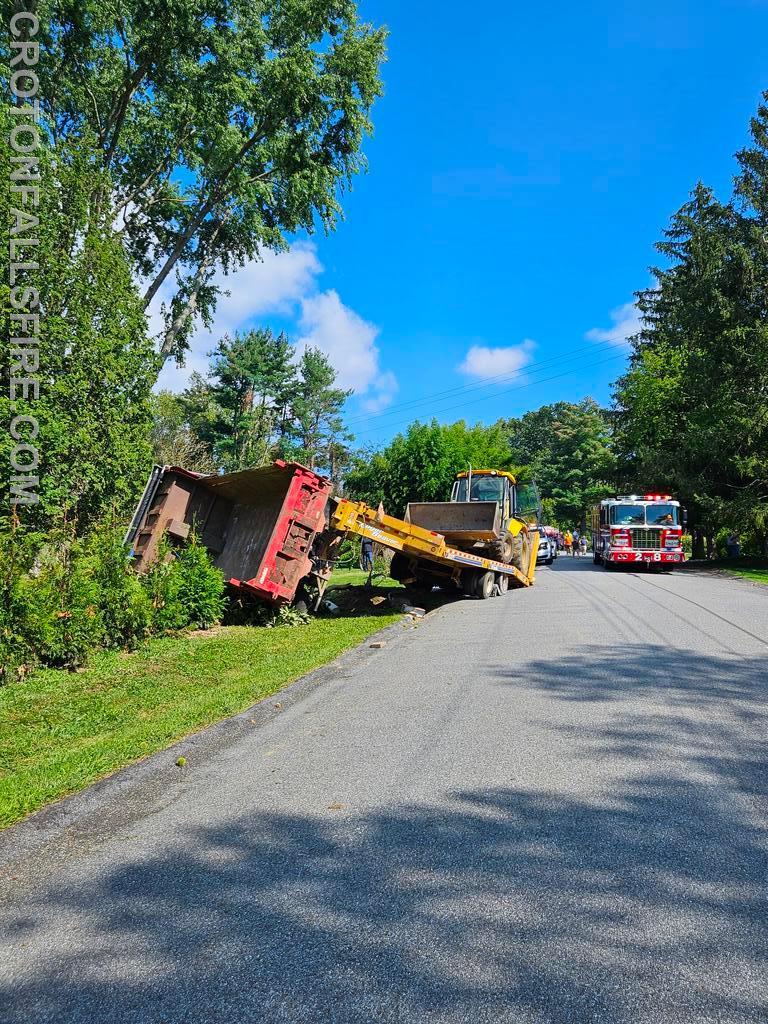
(423, 545)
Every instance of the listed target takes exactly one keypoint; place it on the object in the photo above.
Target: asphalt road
(546, 807)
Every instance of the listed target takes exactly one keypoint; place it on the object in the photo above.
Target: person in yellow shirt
(568, 541)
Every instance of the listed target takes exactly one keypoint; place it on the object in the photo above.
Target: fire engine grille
(646, 539)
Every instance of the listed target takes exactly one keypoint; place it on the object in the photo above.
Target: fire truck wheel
(485, 584)
(502, 583)
(502, 550)
(596, 557)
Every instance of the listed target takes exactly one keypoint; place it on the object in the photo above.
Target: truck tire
(468, 582)
(502, 550)
(502, 583)
(521, 554)
(485, 584)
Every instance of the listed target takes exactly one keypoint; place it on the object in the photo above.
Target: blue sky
(524, 162)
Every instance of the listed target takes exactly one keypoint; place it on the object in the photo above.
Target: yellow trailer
(433, 561)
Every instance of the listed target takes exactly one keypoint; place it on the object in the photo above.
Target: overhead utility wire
(487, 382)
(496, 394)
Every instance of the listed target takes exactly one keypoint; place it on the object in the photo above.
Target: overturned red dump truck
(266, 528)
(275, 531)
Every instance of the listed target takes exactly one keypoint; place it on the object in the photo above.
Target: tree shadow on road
(500, 905)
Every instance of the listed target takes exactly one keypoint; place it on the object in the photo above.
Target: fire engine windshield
(661, 515)
(628, 515)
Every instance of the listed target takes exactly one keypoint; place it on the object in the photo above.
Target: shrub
(201, 586)
(124, 605)
(17, 553)
(61, 599)
(185, 588)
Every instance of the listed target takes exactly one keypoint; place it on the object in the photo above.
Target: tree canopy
(96, 363)
(223, 127)
(421, 464)
(567, 447)
(260, 401)
(692, 409)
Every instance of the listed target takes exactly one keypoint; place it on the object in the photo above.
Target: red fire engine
(635, 528)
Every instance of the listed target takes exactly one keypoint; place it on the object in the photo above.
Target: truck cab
(645, 529)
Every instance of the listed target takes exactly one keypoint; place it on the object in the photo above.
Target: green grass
(756, 575)
(357, 577)
(60, 731)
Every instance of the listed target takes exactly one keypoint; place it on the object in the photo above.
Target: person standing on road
(575, 544)
(568, 541)
(583, 545)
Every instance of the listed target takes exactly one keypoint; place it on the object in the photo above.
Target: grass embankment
(61, 731)
(755, 575)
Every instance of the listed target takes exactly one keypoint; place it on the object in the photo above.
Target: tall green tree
(174, 442)
(567, 447)
(220, 127)
(96, 363)
(421, 464)
(692, 408)
(241, 410)
(316, 411)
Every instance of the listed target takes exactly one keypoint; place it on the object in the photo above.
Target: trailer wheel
(485, 584)
(469, 582)
(502, 583)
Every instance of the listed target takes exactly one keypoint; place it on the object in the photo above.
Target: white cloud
(626, 322)
(347, 340)
(484, 362)
(383, 390)
(286, 284)
(271, 285)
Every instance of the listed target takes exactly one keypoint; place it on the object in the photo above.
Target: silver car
(547, 552)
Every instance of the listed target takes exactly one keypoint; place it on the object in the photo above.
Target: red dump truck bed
(259, 524)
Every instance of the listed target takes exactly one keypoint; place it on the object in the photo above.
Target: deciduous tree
(223, 125)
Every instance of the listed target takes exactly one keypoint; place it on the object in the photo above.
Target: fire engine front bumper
(646, 556)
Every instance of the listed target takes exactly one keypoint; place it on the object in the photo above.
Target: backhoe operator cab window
(528, 503)
(484, 488)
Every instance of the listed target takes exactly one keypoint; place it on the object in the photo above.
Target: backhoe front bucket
(460, 522)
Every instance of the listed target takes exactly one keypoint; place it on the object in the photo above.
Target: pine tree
(316, 408)
(241, 409)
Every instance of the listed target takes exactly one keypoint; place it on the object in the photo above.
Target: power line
(487, 382)
(507, 391)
